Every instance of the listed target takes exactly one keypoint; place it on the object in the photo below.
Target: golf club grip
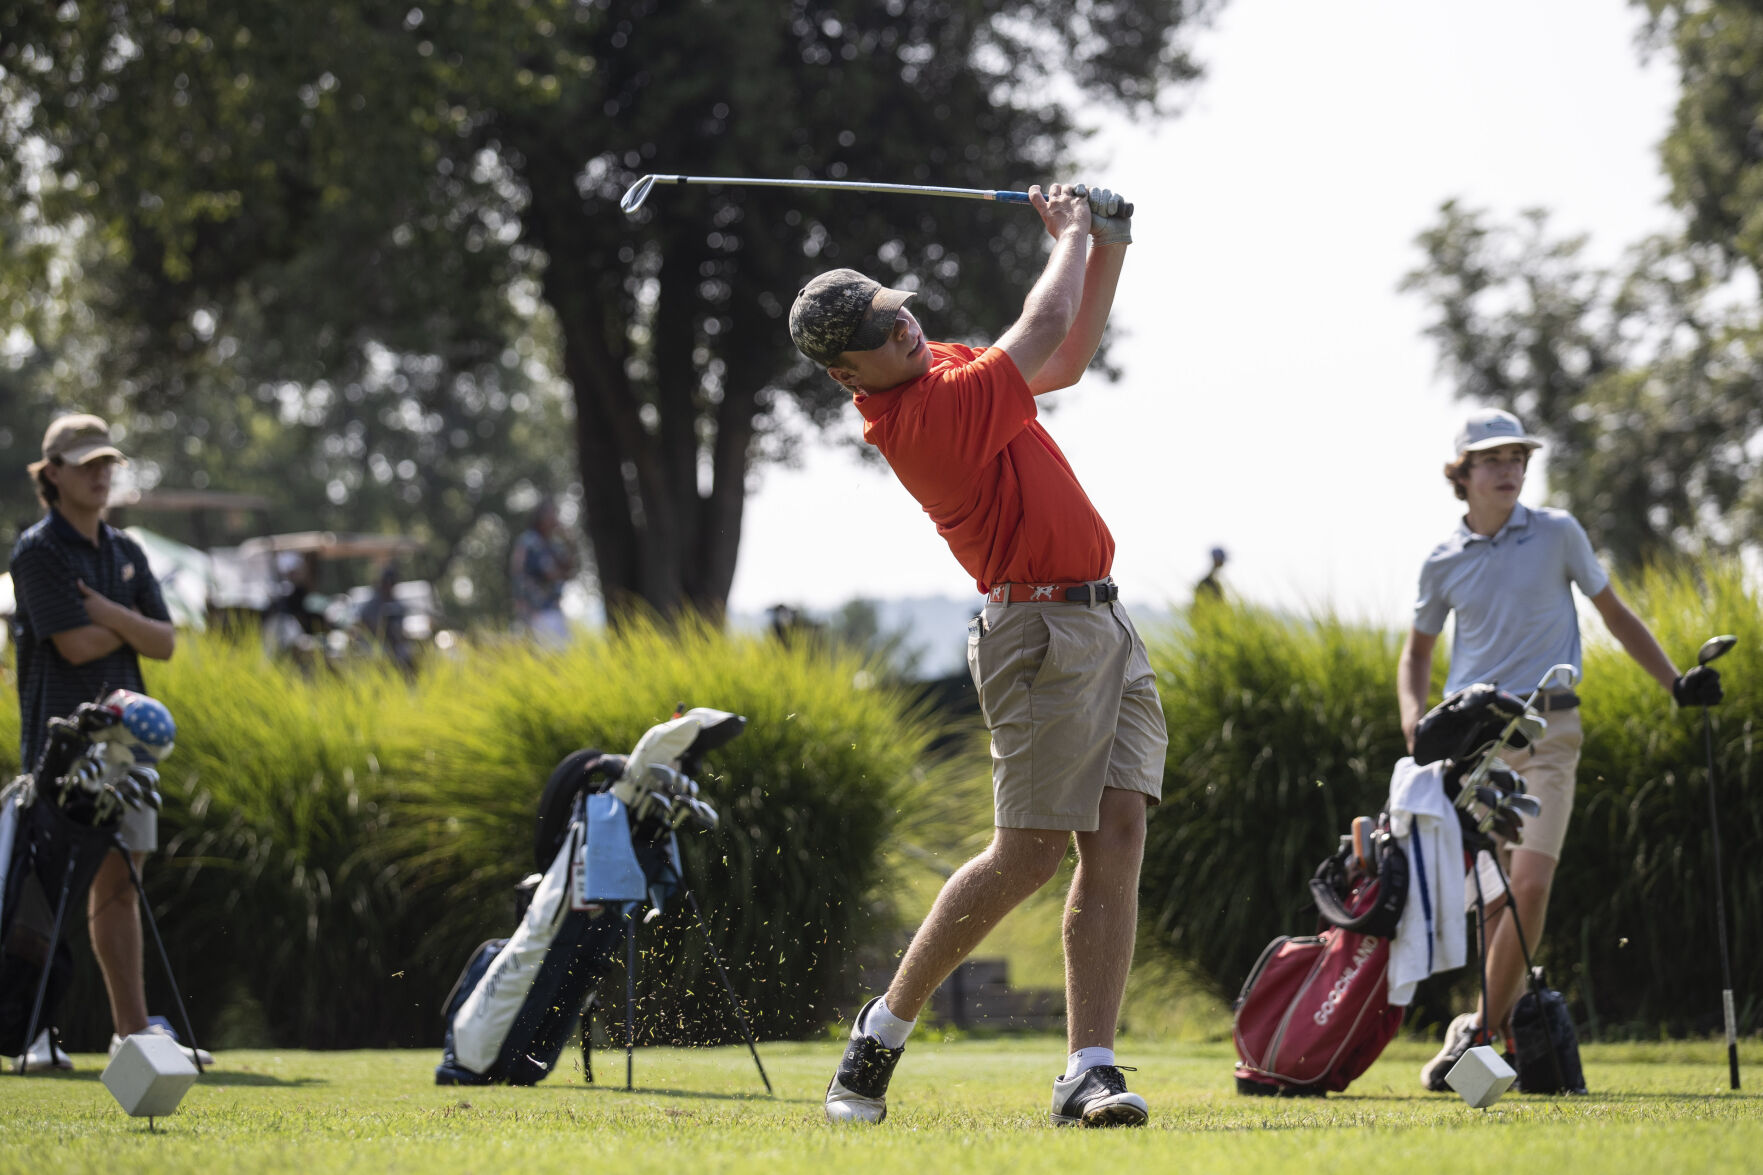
(1732, 1037)
(1022, 198)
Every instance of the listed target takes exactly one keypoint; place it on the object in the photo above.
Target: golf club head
(1715, 646)
(1527, 806)
(635, 195)
(1559, 676)
(1533, 727)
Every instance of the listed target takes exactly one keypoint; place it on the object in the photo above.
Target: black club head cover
(1466, 721)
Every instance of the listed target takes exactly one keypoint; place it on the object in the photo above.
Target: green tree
(311, 201)
(1642, 376)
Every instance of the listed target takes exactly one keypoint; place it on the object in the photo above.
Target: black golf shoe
(1096, 1097)
(858, 1092)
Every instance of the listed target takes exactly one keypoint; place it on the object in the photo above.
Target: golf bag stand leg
(590, 1005)
(740, 1016)
(1530, 974)
(630, 991)
(177, 997)
(1481, 948)
(49, 956)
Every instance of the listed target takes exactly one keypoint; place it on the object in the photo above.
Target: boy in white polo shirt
(1506, 575)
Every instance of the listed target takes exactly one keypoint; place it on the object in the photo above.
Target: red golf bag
(1314, 1012)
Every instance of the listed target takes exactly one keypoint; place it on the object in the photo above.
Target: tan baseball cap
(843, 311)
(77, 439)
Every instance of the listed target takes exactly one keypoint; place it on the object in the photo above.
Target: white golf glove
(1110, 218)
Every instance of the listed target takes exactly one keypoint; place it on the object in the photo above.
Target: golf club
(638, 192)
(1712, 648)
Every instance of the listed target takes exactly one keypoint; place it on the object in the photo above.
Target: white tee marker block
(149, 1075)
(1480, 1076)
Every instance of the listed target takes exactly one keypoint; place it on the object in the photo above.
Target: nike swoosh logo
(1525, 539)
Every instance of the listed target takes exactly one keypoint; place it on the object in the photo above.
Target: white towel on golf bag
(1429, 935)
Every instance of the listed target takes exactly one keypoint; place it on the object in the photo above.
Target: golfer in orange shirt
(1064, 683)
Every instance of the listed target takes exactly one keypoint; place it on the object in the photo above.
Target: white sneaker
(1463, 1034)
(44, 1053)
(157, 1027)
(1097, 1097)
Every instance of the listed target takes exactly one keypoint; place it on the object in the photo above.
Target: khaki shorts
(1548, 769)
(1068, 694)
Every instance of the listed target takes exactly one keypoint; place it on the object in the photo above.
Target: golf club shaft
(639, 191)
(1732, 1037)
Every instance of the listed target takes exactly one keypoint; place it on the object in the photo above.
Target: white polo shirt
(1511, 596)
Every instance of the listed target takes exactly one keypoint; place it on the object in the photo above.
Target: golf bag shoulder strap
(1372, 908)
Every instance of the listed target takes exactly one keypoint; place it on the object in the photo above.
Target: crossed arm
(112, 627)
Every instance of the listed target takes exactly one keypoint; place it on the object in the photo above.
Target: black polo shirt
(48, 563)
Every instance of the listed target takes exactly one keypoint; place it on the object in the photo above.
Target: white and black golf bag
(606, 844)
(57, 823)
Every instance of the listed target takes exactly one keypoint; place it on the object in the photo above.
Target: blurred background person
(382, 619)
(539, 564)
(1211, 588)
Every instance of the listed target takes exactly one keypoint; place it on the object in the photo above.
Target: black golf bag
(57, 824)
(1545, 1047)
(606, 843)
(45, 855)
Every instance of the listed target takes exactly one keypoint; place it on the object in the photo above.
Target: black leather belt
(1558, 700)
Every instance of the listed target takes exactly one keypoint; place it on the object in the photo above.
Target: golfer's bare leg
(973, 901)
(113, 919)
(1101, 920)
(1532, 876)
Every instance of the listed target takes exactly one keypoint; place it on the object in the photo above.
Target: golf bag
(1545, 1047)
(1314, 1012)
(45, 855)
(57, 824)
(606, 843)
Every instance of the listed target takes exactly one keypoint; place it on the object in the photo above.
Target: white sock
(883, 1024)
(1087, 1058)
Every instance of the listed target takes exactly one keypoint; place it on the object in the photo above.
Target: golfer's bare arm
(1414, 679)
(1053, 305)
(1072, 359)
(1634, 635)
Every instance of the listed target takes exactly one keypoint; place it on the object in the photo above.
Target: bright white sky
(1278, 397)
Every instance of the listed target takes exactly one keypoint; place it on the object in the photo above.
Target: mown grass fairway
(970, 1106)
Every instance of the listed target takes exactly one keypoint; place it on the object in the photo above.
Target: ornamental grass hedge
(333, 847)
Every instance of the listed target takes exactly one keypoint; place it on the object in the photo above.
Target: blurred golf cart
(335, 597)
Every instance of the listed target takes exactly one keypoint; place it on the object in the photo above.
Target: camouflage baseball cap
(841, 310)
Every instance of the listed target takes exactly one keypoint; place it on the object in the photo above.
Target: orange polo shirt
(964, 441)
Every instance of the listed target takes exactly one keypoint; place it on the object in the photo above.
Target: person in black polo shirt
(88, 610)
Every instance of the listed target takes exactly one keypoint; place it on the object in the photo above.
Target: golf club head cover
(1466, 721)
(1110, 218)
(1699, 687)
